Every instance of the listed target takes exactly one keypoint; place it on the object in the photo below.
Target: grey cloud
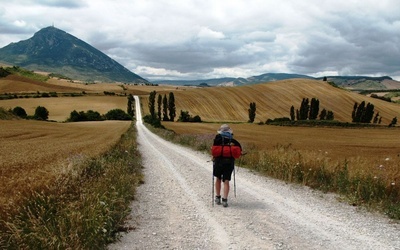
(58, 3)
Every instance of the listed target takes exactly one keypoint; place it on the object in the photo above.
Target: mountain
(358, 83)
(55, 51)
(231, 81)
(355, 83)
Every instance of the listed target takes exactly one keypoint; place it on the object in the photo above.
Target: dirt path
(174, 211)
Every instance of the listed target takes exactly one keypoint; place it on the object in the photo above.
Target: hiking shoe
(224, 202)
(218, 200)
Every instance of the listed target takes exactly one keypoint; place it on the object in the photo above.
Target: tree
(252, 112)
(323, 114)
(171, 106)
(363, 113)
(376, 118)
(159, 102)
(359, 112)
(393, 122)
(152, 100)
(330, 116)
(325, 79)
(292, 115)
(314, 109)
(368, 114)
(304, 109)
(18, 111)
(353, 114)
(130, 109)
(41, 113)
(165, 108)
(117, 114)
(184, 116)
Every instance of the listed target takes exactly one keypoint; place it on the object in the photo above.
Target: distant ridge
(350, 82)
(55, 51)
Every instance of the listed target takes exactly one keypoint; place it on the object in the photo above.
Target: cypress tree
(304, 109)
(171, 106)
(152, 100)
(323, 114)
(359, 112)
(353, 114)
(159, 102)
(368, 114)
(165, 108)
(130, 109)
(314, 109)
(292, 115)
(252, 112)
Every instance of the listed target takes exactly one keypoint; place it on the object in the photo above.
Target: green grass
(27, 73)
(84, 208)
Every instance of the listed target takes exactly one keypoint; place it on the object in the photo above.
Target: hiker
(225, 150)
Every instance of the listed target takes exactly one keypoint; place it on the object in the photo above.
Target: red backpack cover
(226, 151)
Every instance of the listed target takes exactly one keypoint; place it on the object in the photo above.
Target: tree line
(41, 113)
(309, 110)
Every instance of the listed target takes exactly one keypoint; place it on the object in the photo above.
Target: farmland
(34, 153)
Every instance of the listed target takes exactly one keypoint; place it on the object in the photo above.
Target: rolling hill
(217, 104)
(355, 83)
(55, 51)
(273, 100)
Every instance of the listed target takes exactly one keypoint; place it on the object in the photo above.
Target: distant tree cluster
(363, 113)
(90, 115)
(165, 110)
(186, 117)
(41, 113)
(310, 111)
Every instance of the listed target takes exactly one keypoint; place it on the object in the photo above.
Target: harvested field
(274, 100)
(33, 153)
(19, 84)
(60, 107)
(372, 146)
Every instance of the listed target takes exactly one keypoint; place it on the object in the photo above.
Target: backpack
(226, 148)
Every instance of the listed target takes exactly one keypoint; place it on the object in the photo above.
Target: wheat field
(273, 100)
(30, 148)
(34, 153)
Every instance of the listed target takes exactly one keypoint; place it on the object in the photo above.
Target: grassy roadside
(83, 209)
(376, 190)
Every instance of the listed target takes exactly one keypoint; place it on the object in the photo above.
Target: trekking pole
(234, 180)
(212, 191)
(234, 174)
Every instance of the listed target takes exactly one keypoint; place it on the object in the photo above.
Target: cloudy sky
(201, 39)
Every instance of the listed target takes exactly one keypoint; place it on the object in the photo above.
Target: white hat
(224, 128)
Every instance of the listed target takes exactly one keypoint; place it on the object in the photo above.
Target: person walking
(225, 150)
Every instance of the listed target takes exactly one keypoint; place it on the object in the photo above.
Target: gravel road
(174, 209)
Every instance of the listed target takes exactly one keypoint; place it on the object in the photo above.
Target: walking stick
(212, 191)
(234, 180)
(234, 173)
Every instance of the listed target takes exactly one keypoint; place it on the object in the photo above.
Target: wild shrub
(41, 113)
(18, 111)
(117, 114)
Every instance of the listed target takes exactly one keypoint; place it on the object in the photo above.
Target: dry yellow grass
(336, 143)
(32, 153)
